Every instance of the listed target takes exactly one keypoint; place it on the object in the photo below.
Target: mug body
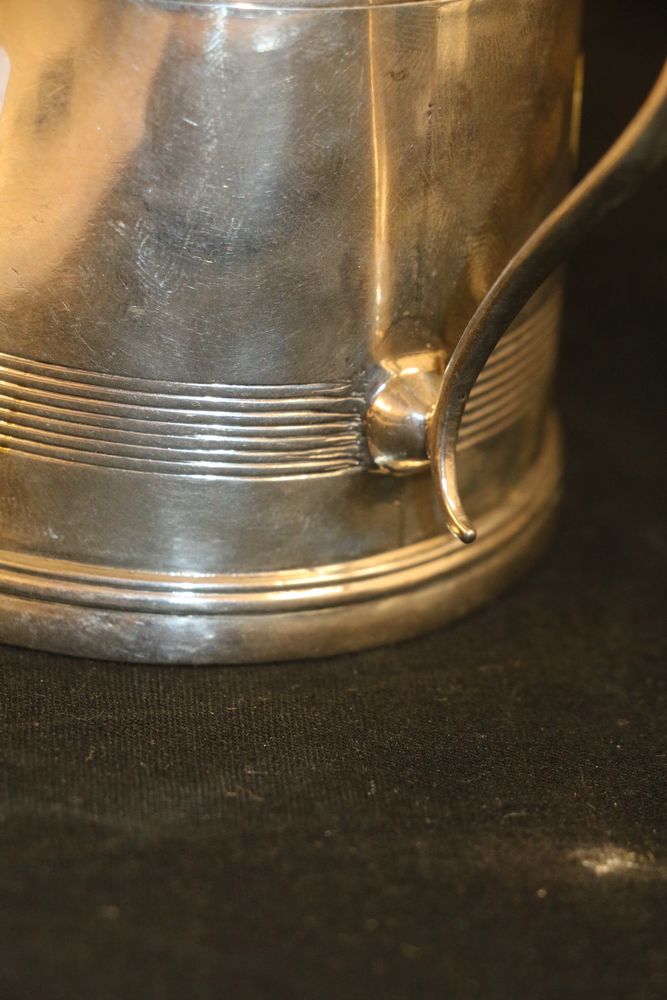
(224, 230)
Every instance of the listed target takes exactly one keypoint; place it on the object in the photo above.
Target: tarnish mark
(55, 94)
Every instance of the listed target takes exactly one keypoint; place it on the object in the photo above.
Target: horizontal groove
(306, 408)
(277, 438)
(508, 381)
(65, 582)
(164, 418)
(513, 379)
(490, 428)
(498, 422)
(90, 418)
(181, 428)
(229, 470)
(521, 341)
(183, 455)
(511, 403)
(55, 373)
(504, 356)
(520, 387)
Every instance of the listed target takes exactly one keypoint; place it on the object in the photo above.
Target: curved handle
(640, 149)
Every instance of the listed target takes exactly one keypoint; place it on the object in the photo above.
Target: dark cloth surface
(476, 814)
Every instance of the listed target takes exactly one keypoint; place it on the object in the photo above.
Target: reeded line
(520, 346)
(503, 416)
(289, 431)
(545, 316)
(511, 389)
(228, 470)
(54, 376)
(281, 437)
(498, 420)
(522, 341)
(149, 428)
(91, 418)
(506, 380)
(511, 381)
(121, 412)
(483, 422)
(49, 439)
(72, 392)
(82, 420)
(171, 450)
(89, 376)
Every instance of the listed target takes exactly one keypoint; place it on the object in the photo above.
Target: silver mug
(241, 246)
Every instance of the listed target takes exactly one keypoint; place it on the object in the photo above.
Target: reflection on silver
(146, 426)
(224, 230)
(5, 69)
(639, 151)
(514, 380)
(197, 618)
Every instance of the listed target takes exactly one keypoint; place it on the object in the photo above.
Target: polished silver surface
(228, 234)
(194, 618)
(515, 379)
(640, 150)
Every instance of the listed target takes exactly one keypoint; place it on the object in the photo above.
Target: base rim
(410, 592)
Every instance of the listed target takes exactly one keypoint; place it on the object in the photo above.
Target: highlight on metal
(636, 154)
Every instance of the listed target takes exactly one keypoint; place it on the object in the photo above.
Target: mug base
(106, 613)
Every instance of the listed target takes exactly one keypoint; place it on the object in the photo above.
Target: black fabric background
(411, 822)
